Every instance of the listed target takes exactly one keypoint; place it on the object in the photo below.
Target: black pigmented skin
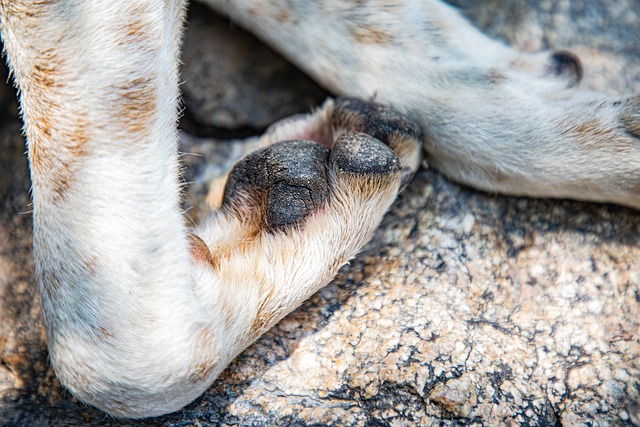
(356, 152)
(280, 185)
(374, 119)
(565, 63)
(291, 174)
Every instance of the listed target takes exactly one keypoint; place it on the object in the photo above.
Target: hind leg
(493, 118)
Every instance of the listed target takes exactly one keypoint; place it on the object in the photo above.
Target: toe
(377, 120)
(279, 185)
(361, 153)
(385, 124)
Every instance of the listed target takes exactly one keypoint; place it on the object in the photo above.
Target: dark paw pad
(377, 120)
(360, 153)
(385, 124)
(279, 185)
(566, 65)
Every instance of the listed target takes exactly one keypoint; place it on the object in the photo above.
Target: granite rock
(465, 309)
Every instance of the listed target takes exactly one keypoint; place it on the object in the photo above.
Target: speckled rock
(466, 309)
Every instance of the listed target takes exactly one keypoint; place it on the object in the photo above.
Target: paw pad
(281, 184)
(356, 152)
(385, 124)
(377, 120)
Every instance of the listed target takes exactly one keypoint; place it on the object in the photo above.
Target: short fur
(142, 313)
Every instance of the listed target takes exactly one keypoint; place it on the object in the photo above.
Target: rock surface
(465, 309)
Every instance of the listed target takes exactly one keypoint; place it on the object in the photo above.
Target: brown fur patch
(90, 265)
(588, 128)
(135, 104)
(247, 204)
(104, 333)
(370, 35)
(496, 76)
(266, 314)
(135, 30)
(236, 243)
(57, 141)
(282, 15)
(213, 199)
(54, 155)
(254, 11)
(77, 139)
(403, 145)
(592, 135)
(25, 10)
(44, 73)
(365, 187)
(201, 372)
(45, 69)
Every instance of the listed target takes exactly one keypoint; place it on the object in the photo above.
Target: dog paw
(293, 212)
(282, 184)
(286, 180)
(385, 124)
(343, 115)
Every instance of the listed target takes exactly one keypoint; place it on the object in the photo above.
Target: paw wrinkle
(288, 204)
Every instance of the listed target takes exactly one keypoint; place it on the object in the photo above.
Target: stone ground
(466, 309)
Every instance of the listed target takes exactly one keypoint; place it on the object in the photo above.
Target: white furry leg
(140, 314)
(493, 118)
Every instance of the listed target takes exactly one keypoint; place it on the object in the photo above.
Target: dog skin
(142, 313)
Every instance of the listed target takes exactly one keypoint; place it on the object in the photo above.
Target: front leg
(141, 313)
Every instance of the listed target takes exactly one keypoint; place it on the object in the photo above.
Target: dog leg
(141, 314)
(493, 118)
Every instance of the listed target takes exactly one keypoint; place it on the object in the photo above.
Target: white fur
(139, 327)
(516, 136)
